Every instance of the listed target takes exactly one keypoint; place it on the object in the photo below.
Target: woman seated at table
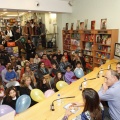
(93, 109)
(42, 71)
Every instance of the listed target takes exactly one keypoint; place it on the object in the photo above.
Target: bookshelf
(97, 46)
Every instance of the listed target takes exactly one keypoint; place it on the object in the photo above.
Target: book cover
(86, 24)
(72, 24)
(9, 49)
(103, 24)
(78, 25)
(93, 25)
(81, 25)
(15, 49)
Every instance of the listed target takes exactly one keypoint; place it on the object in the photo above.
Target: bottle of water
(101, 72)
(59, 100)
(85, 83)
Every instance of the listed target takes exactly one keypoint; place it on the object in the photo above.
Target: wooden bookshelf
(96, 45)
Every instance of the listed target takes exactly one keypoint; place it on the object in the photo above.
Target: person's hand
(68, 113)
(78, 104)
(105, 87)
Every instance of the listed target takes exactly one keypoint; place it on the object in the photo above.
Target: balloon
(5, 109)
(79, 73)
(23, 102)
(37, 95)
(48, 93)
(61, 84)
(13, 83)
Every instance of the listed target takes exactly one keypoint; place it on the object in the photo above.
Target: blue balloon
(79, 73)
(23, 102)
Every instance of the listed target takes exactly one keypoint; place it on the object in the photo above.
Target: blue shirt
(10, 75)
(112, 95)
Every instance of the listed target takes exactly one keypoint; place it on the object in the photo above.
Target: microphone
(85, 81)
(52, 105)
(98, 75)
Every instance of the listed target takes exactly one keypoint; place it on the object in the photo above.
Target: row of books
(104, 48)
(103, 55)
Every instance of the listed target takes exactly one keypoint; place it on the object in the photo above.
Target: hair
(118, 63)
(92, 103)
(10, 67)
(68, 66)
(78, 62)
(7, 92)
(54, 55)
(39, 64)
(62, 58)
(114, 73)
(24, 80)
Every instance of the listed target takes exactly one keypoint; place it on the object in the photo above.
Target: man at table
(118, 68)
(109, 93)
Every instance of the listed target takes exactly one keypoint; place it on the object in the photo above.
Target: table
(41, 111)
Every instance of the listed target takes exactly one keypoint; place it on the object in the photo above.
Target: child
(11, 97)
(54, 70)
(10, 75)
(93, 109)
(69, 75)
(37, 59)
(43, 85)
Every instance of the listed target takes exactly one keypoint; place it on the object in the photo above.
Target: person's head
(68, 68)
(26, 81)
(29, 41)
(27, 63)
(44, 81)
(63, 59)
(1, 47)
(7, 37)
(23, 58)
(7, 64)
(17, 30)
(27, 69)
(10, 68)
(59, 52)
(118, 67)
(54, 66)
(44, 56)
(59, 75)
(65, 53)
(2, 33)
(45, 52)
(54, 57)
(27, 24)
(41, 65)
(40, 23)
(31, 60)
(11, 92)
(36, 56)
(111, 77)
(13, 59)
(91, 101)
(16, 23)
(8, 28)
(78, 64)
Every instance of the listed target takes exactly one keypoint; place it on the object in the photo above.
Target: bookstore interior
(58, 60)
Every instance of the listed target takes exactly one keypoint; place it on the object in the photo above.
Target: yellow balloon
(37, 95)
(61, 84)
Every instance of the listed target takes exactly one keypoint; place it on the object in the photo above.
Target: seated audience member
(43, 85)
(26, 86)
(1, 67)
(42, 71)
(59, 77)
(28, 72)
(65, 53)
(46, 61)
(1, 90)
(37, 59)
(10, 75)
(11, 97)
(93, 109)
(69, 75)
(18, 60)
(108, 93)
(54, 70)
(118, 68)
(47, 54)
(30, 49)
(54, 60)
(17, 34)
(59, 56)
(63, 64)
(78, 66)
(33, 66)
(23, 60)
(3, 73)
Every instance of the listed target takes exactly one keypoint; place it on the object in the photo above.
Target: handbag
(10, 44)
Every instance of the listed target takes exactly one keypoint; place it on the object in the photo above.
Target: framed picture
(117, 50)
(103, 24)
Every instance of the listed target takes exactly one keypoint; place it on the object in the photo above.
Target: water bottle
(101, 72)
(59, 100)
(85, 83)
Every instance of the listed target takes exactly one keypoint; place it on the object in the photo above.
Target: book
(93, 25)
(72, 24)
(66, 26)
(78, 25)
(103, 24)
(72, 107)
(15, 49)
(81, 25)
(86, 24)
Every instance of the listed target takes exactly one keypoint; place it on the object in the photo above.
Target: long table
(41, 111)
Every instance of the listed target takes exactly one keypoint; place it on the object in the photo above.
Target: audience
(37, 59)
(11, 97)
(93, 109)
(109, 93)
(55, 60)
(54, 70)
(59, 56)
(69, 75)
